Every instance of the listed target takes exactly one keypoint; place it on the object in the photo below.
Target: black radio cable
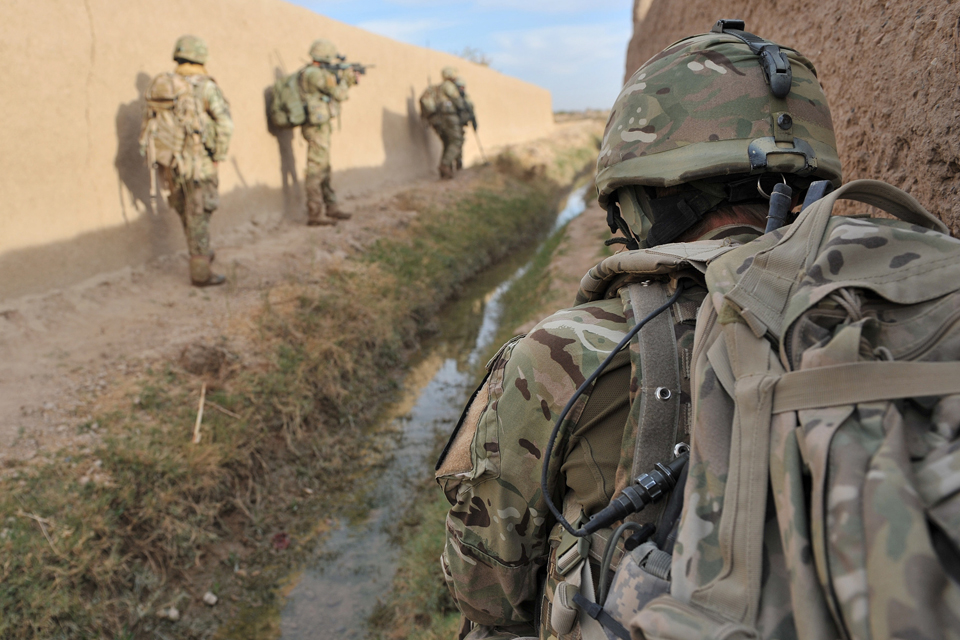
(662, 478)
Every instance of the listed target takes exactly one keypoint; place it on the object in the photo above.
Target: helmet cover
(702, 109)
(323, 50)
(191, 49)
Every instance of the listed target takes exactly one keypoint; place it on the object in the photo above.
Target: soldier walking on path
(324, 88)
(186, 131)
(448, 110)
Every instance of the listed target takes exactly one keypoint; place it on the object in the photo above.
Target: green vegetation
(102, 544)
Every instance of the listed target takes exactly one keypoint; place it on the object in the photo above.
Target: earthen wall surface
(891, 72)
(76, 196)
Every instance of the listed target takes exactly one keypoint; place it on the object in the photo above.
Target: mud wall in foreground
(76, 196)
(891, 72)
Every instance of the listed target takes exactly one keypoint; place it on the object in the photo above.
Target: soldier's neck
(191, 69)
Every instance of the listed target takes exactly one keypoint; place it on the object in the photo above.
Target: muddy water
(354, 566)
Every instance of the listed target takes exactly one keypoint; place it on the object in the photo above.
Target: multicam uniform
(324, 90)
(501, 540)
(448, 121)
(186, 131)
(666, 167)
(194, 192)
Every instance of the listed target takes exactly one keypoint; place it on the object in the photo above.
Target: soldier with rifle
(324, 85)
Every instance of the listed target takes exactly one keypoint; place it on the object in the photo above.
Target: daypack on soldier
(176, 129)
(823, 496)
(430, 101)
(288, 108)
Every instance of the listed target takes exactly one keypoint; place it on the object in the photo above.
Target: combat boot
(319, 221)
(446, 172)
(333, 211)
(201, 275)
(459, 164)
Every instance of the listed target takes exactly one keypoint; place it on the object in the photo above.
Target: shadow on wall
(293, 199)
(133, 175)
(400, 131)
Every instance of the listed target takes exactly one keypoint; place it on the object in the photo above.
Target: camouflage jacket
(499, 531)
(450, 99)
(323, 91)
(217, 123)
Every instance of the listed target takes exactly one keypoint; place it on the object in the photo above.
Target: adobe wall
(890, 69)
(75, 192)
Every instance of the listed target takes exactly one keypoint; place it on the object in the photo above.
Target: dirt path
(68, 353)
(62, 350)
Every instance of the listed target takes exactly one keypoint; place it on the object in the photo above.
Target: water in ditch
(334, 596)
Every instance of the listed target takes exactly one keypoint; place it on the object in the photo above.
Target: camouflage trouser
(448, 127)
(194, 201)
(317, 183)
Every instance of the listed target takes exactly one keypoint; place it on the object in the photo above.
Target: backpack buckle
(572, 550)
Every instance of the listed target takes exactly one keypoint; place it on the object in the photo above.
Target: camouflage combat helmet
(322, 50)
(191, 49)
(712, 113)
(448, 73)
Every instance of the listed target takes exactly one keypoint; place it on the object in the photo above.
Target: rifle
(343, 65)
(472, 119)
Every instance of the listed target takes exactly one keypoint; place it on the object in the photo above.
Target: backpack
(430, 101)
(823, 489)
(288, 108)
(175, 127)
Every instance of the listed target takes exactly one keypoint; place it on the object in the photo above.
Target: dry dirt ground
(67, 354)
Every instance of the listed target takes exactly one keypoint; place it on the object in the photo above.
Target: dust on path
(69, 353)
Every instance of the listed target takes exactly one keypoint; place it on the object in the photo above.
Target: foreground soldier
(694, 140)
(448, 110)
(323, 88)
(186, 131)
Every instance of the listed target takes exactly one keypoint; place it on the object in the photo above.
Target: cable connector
(648, 488)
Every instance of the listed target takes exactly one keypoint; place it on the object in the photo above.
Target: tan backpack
(430, 101)
(823, 497)
(175, 123)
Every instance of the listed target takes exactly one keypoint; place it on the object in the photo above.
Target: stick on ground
(196, 427)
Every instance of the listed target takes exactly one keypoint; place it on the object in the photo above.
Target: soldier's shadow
(133, 176)
(131, 167)
(292, 197)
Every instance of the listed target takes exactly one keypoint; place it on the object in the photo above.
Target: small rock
(209, 598)
(95, 426)
(84, 481)
(170, 614)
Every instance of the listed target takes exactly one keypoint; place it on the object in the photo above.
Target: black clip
(773, 61)
(722, 24)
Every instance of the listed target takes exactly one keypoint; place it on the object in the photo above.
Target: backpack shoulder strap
(654, 389)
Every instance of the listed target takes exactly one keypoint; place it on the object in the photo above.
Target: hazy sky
(574, 48)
